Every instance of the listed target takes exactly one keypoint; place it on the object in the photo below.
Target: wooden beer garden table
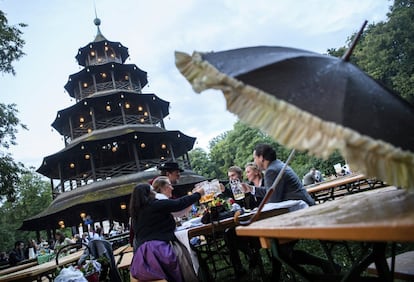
(37, 272)
(213, 231)
(25, 264)
(351, 183)
(377, 216)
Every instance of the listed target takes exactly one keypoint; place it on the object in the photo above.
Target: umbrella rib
(348, 53)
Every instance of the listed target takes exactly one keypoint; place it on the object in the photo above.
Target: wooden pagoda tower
(114, 137)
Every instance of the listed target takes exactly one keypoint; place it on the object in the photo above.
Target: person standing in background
(171, 170)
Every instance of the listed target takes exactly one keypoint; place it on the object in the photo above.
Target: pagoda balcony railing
(107, 86)
(103, 60)
(88, 127)
(103, 173)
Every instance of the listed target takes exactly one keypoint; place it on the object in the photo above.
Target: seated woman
(163, 188)
(159, 255)
(255, 178)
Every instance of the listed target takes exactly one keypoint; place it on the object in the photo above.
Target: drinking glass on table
(236, 188)
(211, 189)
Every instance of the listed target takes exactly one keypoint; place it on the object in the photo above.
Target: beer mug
(235, 186)
(211, 189)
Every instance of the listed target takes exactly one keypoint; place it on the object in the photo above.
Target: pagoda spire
(99, 36)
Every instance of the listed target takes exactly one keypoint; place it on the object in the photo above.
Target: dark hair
(61, 236)
(17, 243)
(266, 151)
(141, 196)
(98, 230)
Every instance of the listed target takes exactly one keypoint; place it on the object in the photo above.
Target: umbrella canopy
(312, 102)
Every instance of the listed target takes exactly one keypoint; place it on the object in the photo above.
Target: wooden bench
(404, 266)
(124, 265)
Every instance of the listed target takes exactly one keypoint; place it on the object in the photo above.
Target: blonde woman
(163, 188)
(255, 177)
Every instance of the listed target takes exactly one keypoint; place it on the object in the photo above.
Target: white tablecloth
(182, 236)
(182, 231)
(292, 205)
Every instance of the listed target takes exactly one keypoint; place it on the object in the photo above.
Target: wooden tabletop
(18, 267)
(123, 249)
(126, 260)
(35, 272)
(223, 224)
(384, 214)
(337, 182)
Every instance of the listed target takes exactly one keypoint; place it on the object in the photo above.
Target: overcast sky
(153, 30)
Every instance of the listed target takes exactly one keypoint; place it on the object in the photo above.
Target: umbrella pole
(348, 53)
(267, 196)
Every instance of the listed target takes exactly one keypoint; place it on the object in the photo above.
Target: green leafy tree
(201, 163)
(33, 195)
(386, 50)
(9, 169)
(11, 45)
(235, 147)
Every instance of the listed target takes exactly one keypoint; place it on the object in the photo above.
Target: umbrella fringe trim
(374, 158)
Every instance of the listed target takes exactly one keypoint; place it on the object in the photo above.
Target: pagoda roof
(180, 143)
(96, 199)
(99, 43)
(157, 105)
(94, 69)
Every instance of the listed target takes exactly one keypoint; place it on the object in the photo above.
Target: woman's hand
(246, 188)
(222, 188)
(199, 189)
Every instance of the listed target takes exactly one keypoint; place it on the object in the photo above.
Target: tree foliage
(33, 195)
(386, 50)
(9, 169)
(235, 147)
(11, 44)
(202, 164)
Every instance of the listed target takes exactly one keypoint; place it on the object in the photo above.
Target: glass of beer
(235, 186)
(211, 189)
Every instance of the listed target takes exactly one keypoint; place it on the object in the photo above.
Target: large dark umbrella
(313, 102)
